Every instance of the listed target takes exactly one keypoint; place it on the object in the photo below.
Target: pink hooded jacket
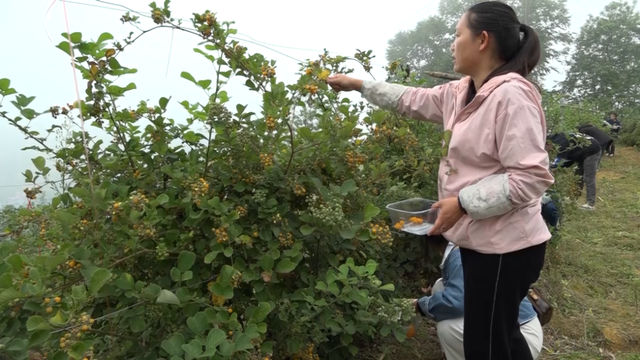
(496, 162)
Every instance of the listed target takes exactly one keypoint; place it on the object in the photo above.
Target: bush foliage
(250, 239)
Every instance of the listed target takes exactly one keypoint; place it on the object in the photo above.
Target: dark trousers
(587, 172)
(494, 287)
(610, 148)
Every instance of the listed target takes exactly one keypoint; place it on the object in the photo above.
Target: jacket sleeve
(416, 103)
(449, 303)
(520, 139)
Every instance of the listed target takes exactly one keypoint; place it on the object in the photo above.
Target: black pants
(610, 148)
(494, 287)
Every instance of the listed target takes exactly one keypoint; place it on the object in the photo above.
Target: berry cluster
(285, 239)
(382, 233)
(271, 123)
(266, 160)
(299, 190)
(221, 235)
(268, 71)
(355, 159)
(161, 252)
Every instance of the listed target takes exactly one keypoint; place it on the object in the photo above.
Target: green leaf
(187, 275)
(125, 282)
(371, 266)
(306, 230)
(76, 37)
(387, 287)
(208, 259)
(186, 75)
(104, 37)
(260, 313)
(98, 279)
(163, 103)
(243, 342)
(204, 84)
(348, 186)
(198, 323)
(348, 233)
(346, 339)
(193, 349)
(39, 163)
(186, 259)
(37, 322)
(137, 324)
(266, 262)
(162, 199)
(39, 337)
(5, 281)
(173, 346)
(15, 261)
(285, 266)
(167, 297)
(226, 291)
(370, 211)
(58, 319)
(215, 338)
(175, 274)
(4, 84)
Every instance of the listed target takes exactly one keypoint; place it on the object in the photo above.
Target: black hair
(501, 22)
(613, 113)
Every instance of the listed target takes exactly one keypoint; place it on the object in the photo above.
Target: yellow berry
(57, 299)
(49, 310)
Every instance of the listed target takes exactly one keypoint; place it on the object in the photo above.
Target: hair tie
(522, 27)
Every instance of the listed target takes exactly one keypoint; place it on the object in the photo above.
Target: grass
(592, 276)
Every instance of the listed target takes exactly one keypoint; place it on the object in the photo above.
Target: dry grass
(592, 276)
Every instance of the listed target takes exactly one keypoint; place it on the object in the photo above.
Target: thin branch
(131, 256)
(27, 132)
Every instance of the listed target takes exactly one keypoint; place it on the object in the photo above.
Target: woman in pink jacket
(496, 171)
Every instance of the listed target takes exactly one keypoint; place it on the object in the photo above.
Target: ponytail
(517, 44)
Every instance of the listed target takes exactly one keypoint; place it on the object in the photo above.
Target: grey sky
(37, 68)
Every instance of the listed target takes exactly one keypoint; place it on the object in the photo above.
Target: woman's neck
(483, 72)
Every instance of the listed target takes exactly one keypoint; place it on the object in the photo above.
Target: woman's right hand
(341, 82)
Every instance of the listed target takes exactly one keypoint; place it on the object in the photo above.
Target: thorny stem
(120, 134)
(26, 132)
(131, 256)
(213, 99)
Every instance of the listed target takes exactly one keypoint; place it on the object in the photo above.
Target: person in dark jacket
(606, 141)
(613, 124)
(582, 150)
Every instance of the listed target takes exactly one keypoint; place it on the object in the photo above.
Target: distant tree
(605, 65)
(426, 48)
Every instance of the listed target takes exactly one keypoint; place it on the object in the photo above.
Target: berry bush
(226, 235)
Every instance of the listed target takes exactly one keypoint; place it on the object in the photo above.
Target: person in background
(584, 151)
(606, 141)
(550, 212)
(444, 303)
(614, 124)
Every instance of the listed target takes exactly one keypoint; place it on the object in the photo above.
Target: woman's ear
(484, 40)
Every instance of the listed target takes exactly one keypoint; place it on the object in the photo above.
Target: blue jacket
(449, 303)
